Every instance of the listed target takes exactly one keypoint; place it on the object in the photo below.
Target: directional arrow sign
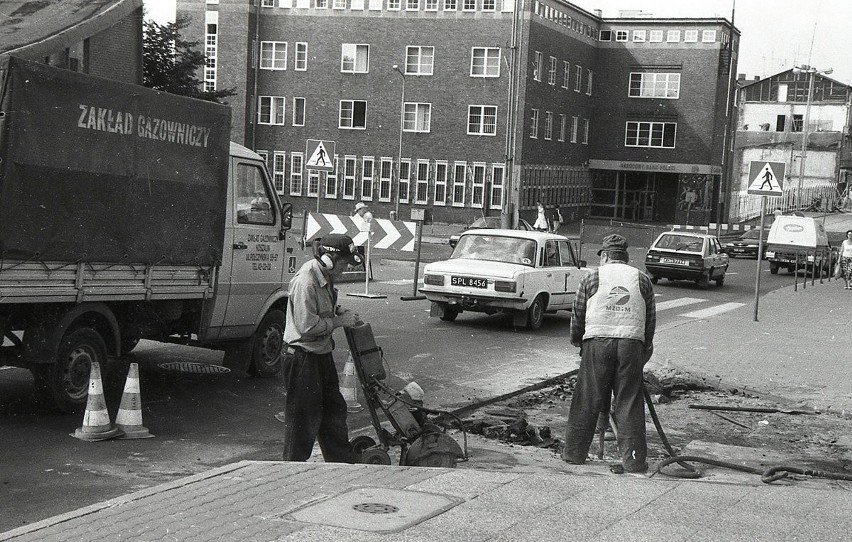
(766, 178)
(386, 234)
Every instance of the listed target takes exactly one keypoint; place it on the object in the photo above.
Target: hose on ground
(692, 472)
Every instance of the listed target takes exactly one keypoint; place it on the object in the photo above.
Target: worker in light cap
(613, 323)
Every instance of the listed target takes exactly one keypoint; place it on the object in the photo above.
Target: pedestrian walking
(845, 262)
(556, 218)
(541, 220)
(613, 323)
(314, 409)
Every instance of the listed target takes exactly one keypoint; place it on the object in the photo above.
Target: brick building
(99, 37)
(491, 108)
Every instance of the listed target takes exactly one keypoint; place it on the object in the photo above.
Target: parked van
(798, 240)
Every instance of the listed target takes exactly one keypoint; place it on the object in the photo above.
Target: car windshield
(686, 243)
(494, 248)
(751, 234)
(489, 222)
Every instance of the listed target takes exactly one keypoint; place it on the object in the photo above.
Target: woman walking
(846, 260)
(541, 220)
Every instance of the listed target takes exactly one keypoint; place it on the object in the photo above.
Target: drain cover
(196, 368)
(376, 509)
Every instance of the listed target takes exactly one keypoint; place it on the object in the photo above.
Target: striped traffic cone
(129, 417)
(96, 424)
(348, 387)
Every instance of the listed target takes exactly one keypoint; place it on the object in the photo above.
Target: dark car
(687, 256)
(488, 223)
(746, 245)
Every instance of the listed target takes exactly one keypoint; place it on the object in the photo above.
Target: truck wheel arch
(42, 341)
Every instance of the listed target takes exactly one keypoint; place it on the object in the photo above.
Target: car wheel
(535, 314)
(703, 281)
(773, 268)
(450, 314)
(720, 280)
(655, 280)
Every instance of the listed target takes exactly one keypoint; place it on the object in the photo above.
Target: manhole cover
(375, 508)
(196, 368)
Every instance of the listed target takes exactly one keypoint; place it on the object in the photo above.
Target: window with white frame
(578, 78)
(654, 85)
(430, 5)
(673, 36)
(270, 110)
(459, 183)
(485, 62)
(404, 180)
(331, 182)
(419, 60)
(421, 188)
(385, 179)
(338, 4)
(367, 164)
(321, 4)
(548, 125)
(534, 124)
(313, 182)
(273, 55)
(585, 131)
(497, 176)
(489, 5)
(417, 117)
(356, 5)
(450, 5)
(263, 4)
(375, 5)
(477, 192)
(690, 36)
(575, 126)
(482, 120)
(551, 73)
(589, 75)
(621, 35)
(349, 177)
(468, 5)
(298, 111)
(355, 58)
(538, 65)
(650, 134)
(566, 73)
(353, 114)
(412, 5)
(279, 171)
(296, 159)
(656, 36)
(394, 5)
(708, 36)
(563, 127)
(211, 48)
(441, 170)
(639, 35)
(301, 56)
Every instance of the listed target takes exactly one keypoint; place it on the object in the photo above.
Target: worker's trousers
(609, 368)
(314, 409)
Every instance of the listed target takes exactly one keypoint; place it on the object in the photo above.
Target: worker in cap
(314, 409)
(613, 323)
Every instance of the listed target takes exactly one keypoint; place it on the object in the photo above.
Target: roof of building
(32, 27)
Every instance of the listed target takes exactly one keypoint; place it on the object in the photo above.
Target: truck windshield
(495, 248)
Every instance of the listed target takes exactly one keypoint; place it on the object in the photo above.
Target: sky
(776, 34)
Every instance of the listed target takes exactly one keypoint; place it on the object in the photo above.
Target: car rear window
(686, 243)
(494, 248)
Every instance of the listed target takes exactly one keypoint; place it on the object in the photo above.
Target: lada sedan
(523, 273)
(687, 256)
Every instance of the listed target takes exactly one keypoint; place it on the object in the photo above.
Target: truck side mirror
(286, 217)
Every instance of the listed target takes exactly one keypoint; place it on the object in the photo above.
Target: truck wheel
(268, 344)
(773, 268)
(535, 314)
(66, 381)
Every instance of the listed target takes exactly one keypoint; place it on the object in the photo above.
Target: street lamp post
(811, 71)
(401, 129)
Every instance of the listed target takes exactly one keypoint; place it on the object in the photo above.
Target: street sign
(766, 178)
(386, 234)
(320, 155)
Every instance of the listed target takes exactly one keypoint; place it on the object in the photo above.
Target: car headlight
(505, 286)
(433, 280)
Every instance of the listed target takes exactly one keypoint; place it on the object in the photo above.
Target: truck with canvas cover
(126, 213)
(798, 241)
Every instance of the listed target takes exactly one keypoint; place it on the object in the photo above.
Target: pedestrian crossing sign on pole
(766, 178)
(320, 155)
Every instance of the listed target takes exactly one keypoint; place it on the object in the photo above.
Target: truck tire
(66, 381)
(268, 345)
(535, 314)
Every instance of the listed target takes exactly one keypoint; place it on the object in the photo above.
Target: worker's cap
(613, 243)
(360, 205)
(339, 245)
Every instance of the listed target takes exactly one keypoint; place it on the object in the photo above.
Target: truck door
(254, 246)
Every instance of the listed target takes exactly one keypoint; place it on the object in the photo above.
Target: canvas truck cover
(96, 170)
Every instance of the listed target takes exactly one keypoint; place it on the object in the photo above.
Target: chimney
(599, 13)
(757, 78)
(741, 77)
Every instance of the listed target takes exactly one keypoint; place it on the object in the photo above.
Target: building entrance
(634, 196)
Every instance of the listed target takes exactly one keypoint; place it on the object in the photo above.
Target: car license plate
(738, 250)
(674, 261)
(469, 282)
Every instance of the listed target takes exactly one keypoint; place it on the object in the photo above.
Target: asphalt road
(203, 421)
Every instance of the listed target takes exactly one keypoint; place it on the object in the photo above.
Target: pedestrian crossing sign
(766, 178)
(320, 155)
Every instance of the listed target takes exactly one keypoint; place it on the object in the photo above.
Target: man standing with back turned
(613, 324)
(314, 408)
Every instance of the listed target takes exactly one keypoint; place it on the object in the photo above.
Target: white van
(800, 239)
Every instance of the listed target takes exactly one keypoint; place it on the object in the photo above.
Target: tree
(171, 62)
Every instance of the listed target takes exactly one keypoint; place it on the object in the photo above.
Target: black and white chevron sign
(388, 234)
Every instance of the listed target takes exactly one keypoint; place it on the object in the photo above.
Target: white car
(525, 273)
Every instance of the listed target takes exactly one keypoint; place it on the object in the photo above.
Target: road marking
(713, 311)
(679, 302)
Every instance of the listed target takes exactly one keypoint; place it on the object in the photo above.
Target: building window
(375, 5)
(331, 182)
(296, 173)
(440, 183)
(431, 5)
(639, 35)
(673, 36)
(321, 4)
(585, 131)
(349, 177)
(485, 62)
(551, 73)
(211, 46)
(412, 5)
(356, 5)
(534, 124)
(263, 4)
(367, 178)
(468, 5)
(338, 4)
(353, 114)
(279, 163)
(563, 127)
(459, 182)
(489, 5)
(497, 175)
(690, 36)
(450, 5)
(355, 58)
(566, 73)
(797, 123)
(578, 78)
(548, 125)
(575, 125)
(417, 117)
(482, 120)
(655, 85)
(477, 193)
(273, 55)
(656, 36)
(313, 183)
(404, 180)
(605, 35)
(270, 110)
(298, 111)
(385, 179)
(708, 36)
(650, 134)
(393, 5)
(419, 60)
(621, 35)
(538, 65)
(301, 56)
(421, 189)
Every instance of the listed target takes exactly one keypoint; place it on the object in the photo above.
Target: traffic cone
(348, 386)
(129, 417)
(96, 424)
